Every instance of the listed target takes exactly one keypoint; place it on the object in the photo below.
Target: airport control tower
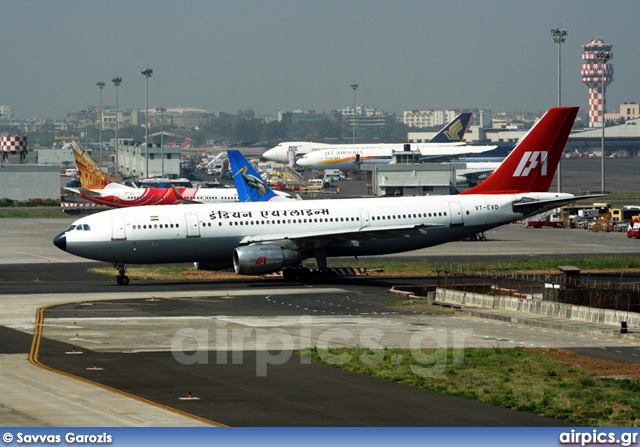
(594, 71)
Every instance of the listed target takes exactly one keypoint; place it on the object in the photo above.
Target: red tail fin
(533, 162)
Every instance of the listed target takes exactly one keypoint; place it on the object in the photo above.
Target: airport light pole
(116, 82)
(162, 110)
(147, 72)
(354, 86)
(100, 85)
(86, 134)
(559, 36)
(603, 57)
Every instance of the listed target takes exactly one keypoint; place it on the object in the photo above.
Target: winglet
(250, 186)
(454, 131)
(531, 165)
(91, 176)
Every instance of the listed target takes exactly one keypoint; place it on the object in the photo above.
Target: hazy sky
(226, 55)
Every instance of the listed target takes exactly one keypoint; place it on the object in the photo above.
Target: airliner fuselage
(210, 232)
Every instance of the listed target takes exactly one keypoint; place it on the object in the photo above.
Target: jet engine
(261, 259)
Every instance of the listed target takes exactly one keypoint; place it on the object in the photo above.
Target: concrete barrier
(538, 307)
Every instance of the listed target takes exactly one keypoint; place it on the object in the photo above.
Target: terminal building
(406, 176)
(138, 160)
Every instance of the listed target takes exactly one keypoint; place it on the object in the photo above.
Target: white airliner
(451, 134)
(349, 159)
(475, 172)
(259, 238)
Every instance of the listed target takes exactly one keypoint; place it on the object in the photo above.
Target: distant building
(25, 182)
(300, 116)
(6, 113)
(628, 111)
(132, 160)
(439, 117)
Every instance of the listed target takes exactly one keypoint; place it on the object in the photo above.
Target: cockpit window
(71, 228)
(86, 227)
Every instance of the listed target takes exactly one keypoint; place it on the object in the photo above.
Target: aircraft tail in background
(91, 176)
(455, 130)
(250, 186)
(530, 167)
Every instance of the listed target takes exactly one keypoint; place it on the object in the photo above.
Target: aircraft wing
(181, 198)
(477, 175)
(90, 192)
(366, 233)
(531, 206)
(437, 158)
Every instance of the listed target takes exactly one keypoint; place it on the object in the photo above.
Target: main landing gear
(121, 279)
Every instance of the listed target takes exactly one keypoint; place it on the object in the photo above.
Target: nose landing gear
(121, 279)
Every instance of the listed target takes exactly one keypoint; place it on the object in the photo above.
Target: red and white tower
(597, 74)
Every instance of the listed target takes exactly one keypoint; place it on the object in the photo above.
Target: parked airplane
(475, 172)
(451, 134)
(352, 159)
(259, 238)
(99, 189)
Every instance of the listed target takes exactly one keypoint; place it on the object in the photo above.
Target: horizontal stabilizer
(532, 206)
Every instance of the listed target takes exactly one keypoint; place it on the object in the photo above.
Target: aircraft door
(364, 219)
(193, 225)
(456, 214)
(117, 228)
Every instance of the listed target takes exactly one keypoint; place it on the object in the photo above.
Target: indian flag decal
(154, 218)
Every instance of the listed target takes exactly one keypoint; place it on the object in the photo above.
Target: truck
(634, 229)
(551, 219)
(544, 223)
(331, 175)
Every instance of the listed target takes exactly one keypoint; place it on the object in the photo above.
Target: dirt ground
(600, 367)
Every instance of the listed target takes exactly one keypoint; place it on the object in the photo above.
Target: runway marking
(90, 310)
(33, 254)
(33, 358)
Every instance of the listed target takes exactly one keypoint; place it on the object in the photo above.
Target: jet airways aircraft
(351, 159)
(475, 172)
(259, 238)
(451, 134)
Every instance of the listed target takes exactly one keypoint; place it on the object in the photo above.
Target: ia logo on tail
(530, 160)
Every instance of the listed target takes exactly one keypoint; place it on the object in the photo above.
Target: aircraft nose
(60, 241)
(270, 154)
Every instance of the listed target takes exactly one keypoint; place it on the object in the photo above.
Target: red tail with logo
(530, 167)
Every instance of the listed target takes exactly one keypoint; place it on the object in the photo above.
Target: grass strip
(538, 381)
(418, 268)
